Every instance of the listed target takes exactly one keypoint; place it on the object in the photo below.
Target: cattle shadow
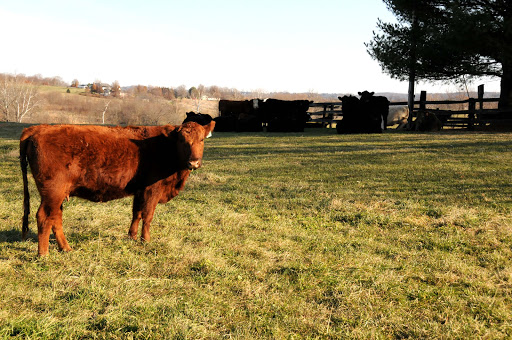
(13, 235)
(351, 143)
(12, 130)
(12, 243)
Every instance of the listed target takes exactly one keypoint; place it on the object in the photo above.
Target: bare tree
(196, 94)
(116, 89)
(141, 90)
(104, 111)
(168, 93)
(95, 88)
(6, 97)
(213, 91)
(235, 94)
(156, 91)
(181, 91)
(18, 98)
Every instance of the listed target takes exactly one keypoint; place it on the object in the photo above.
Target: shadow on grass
(12, 236)
(10, 242)
(380, 148)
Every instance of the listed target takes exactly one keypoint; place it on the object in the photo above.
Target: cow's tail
(26, 196)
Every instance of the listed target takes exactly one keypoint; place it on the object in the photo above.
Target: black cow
(235, 107)
(353, 121)
(199, 118)
(357, 118)
(238, 115)
(376, 108)
(248, 123)
(428, 122)
(225, 124)
(284, 115)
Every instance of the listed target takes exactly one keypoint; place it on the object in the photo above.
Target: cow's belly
(99, 195)
(101, 186)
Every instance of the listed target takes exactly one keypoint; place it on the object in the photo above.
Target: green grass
(61, 89)
(313, 235)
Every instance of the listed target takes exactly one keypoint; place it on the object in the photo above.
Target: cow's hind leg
(49, 217)
(137, 215)
(43, 229)
(59, 232)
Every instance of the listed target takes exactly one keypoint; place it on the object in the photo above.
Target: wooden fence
(330, 113)
(475, 114)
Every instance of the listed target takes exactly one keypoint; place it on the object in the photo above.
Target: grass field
(60, 89)
(311, 235)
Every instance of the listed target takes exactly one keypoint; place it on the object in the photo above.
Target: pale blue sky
(274, 45)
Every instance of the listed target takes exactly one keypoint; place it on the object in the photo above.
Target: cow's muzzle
(194, 164)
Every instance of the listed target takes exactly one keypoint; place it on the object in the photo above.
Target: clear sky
(273, 45)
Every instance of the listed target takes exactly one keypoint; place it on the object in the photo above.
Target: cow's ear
(209, 129)
(359, 93)
(168, 129)
(372, 93)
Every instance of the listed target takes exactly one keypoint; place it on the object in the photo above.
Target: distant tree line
(195, 92)
(200, 92)
(20, 95)
(37, 79)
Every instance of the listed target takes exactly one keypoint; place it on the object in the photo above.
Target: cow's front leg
(147, 216)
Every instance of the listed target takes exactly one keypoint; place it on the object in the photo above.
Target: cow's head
(190, 143)
(366, 96)
(349, 105)
(199, 118)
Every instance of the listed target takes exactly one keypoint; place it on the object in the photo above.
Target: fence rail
(330, 112)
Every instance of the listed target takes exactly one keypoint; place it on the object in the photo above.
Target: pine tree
(447, 40)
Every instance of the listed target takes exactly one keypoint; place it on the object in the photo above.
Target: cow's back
(143, 132)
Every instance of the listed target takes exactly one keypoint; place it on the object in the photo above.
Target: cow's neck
(158, 160)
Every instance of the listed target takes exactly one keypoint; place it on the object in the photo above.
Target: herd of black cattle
(365, 115)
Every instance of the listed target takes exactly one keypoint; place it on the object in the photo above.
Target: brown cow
(104, 163)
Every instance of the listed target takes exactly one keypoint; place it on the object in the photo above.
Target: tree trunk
(410, 96)
(506, 86)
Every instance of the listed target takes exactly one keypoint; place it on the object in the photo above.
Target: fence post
(471, 113)
(481, 96)
(331, 116)
(480, 102)
(324, 114)
(423, 99)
